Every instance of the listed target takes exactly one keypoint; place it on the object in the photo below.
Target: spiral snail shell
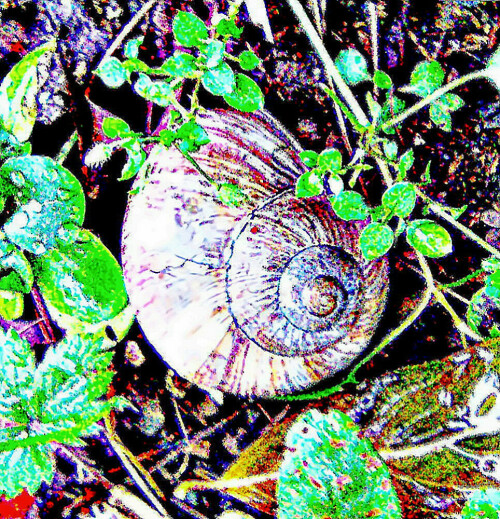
(258, 300)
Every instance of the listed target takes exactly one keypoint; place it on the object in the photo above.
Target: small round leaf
(189, 30)
(112, 73)
(219, 80)
(246, 95)
(382, 80)
(330, 159)
(426, 77)
(114, 127)
(309, 183)
(350, 205)
(400, 199)
(309, 158)
(352, 66)
(375, 240)
(248, 60)
(429, 238)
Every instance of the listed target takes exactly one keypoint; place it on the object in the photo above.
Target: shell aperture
(267, 298)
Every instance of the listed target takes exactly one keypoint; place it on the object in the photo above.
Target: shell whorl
(266, 298)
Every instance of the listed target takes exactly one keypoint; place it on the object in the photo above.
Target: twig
(67, 147)
(126, 30)
(372, 11)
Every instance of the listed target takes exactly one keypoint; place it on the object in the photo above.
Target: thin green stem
(463, 280)
(466, 231)
(67, 147)
(432, 97)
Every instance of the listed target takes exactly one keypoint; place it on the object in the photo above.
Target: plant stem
(330, 67)
(372, 10)
(432, 97)
(460, 325)
(68, 145)
(467, 232)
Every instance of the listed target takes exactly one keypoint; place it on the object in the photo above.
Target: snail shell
(262, 299)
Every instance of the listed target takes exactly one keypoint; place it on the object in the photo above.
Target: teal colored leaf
(227, 27)
(18, 92)
(352, 66)
(82, 279)
(220, 80)
(248, 60)
(246, 95)
(350, 205)
(131, 48)
(189, 30)
(426, 77)
(328, 471)
(143, 85)
(112, 73)
(375, 240)
(483, 306)
(309, 183)
(55, 198)
(231, 195)
(400, 199)
(25, 468)
(440, 110)
(192, 136)
(135, 159)
(309, 158)
(181, 64)
(390, 149)
(382, 80)
(429, 238)
(114, 127)
(11, 305)
(335, 183)
(483, 503)
(330, 160)
(214, 53)
(11, 147)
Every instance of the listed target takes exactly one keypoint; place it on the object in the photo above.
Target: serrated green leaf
(328, 471)
(309, 183)
(131, 48)
(55, 198)
(429, 238)
(82, 279)
(350, 205)
(189, 30)
(231, 195)
(18, 91)
(112, 72)
(309, 158)
(181, 64)
(248, 60)
(213, 52)
(352, 66)
(400, 199)
(220, 80)
(246, 95)
(114, 127)
(330, 160)
(382, 80)
(11, 305)
(227, 27)
(426, 77)
(375, 240)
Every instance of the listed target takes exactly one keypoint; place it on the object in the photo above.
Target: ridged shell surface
(267, 298)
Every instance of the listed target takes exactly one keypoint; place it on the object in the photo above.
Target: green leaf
(426, 77)
(484, 503)
(335, 183)
(15, 270)
(350, 205)
(192, 136)
(135, 159)
(309, 158)
(429, 238)
(189, 30)
(405, 163)
(309, 183)
(330, 160)
(143, 85)
(55, 198)
(214, 53)
(112, 72)
(483, 307)
(82, 280)
(352, 66)
(231, 194)
(227, 27)
(137, 65)
(328, 471)
(440, 109)
(25, 469)
(246, 95)
(375, 240)
(114, 127)
(167, 137)
(248, 60)
(400, 199)
(382, 80)
(18, 92)
(391, 108)
(219, 80)
(11, 305)
(390, 149)
(11, 147)
(181, 64)
(131, 49)
(374, 108)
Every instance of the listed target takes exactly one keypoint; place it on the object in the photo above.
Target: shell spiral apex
(262, 299)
